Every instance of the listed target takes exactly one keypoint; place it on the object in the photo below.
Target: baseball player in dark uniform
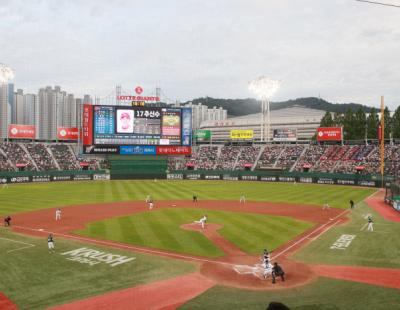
(351, 204)
(50, 243)
(7, 221)
(277, 271)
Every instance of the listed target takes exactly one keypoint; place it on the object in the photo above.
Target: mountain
(238, 107)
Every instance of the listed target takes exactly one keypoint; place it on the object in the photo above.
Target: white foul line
(363, 227)
(27, 245)
(119, 245)
(307, 236)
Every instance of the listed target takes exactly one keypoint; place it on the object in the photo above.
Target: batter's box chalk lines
(256, 270)
(26, 245)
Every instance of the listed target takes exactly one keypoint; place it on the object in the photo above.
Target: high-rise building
(47, 106)
(18, 108)
(31, 110)
(201, 113)
(6, 105)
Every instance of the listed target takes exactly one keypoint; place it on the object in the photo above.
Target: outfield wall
(53, 176)
(278, 176)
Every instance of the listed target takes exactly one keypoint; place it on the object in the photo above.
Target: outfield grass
(161, 229)
(25, 197)
(324, 294)
(34, 279)
(380, 248)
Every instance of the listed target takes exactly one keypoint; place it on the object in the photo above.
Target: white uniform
(58, 214)
(326, 207)
(202, 221)
(242, 199)
(151, 205)
(370, 225)
(50, 243)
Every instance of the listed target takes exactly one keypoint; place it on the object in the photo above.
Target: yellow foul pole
(382, 142)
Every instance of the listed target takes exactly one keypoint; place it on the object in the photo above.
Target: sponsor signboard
(249, 178)
(202, 134)
(285, 135)
(20, 179)
(100, 177)
(16, 131)
(67, 133)
(87, 124)
(212, 177)
(137, 150)
(173, 150)
(193, 176)
(92, 149)
(329, 133)
(239, 134)
(268, 179)
(175, 176)
(228, 177)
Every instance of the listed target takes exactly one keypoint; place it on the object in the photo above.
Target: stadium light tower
(6, 74)
(264, 88)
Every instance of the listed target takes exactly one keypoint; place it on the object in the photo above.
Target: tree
(359, 124)
(338, 119)
(327, 120)
(396, 123)
(348, 125)
(372, 124)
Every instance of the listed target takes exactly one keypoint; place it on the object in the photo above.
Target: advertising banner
(329, 133)
(67, 133)
(173, 150)
(91, 149)
(289, 135)
(87, 124)
(186, 126)
(16, 131)
(241, 134)
(137, 150)
(202, 134)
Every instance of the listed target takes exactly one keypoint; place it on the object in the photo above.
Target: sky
(340, 50)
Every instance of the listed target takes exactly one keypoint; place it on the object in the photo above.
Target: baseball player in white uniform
(202, 221)
(370, 226)
(242, 199)
(58, 214)
(326, 206)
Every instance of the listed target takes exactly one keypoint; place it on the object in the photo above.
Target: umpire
(277, 271)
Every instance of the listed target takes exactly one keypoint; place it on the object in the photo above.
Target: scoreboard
(116, 126)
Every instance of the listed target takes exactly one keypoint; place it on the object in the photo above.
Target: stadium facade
(304, 120)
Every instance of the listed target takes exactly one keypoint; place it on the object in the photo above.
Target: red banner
(87, 124)
(174, 150)
(329, 134)
(67, 133)
(379, 132)
(16, 131)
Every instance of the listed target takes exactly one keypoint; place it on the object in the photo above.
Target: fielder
(370, 226)
(58, 214)
(242, 199)
(326, 206)
(202, 221)
(151, 205)
(50, 243)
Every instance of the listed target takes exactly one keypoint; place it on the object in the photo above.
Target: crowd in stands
(289, 156)
(228, 157)
(269, 155)
(206, 158)
(16, 156)
(5, 164)
(43, 159)
(247, 156)
(364, 159)
(65, 158)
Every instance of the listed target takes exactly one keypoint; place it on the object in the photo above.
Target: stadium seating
(16, 156)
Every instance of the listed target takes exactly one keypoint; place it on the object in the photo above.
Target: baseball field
(111, 251)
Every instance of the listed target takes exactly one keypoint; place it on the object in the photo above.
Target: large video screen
(122, 125)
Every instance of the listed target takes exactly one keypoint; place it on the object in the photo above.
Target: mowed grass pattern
(161, 229)
(25, 197)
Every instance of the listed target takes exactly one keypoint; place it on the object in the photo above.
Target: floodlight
(264, 88)
(6, 73)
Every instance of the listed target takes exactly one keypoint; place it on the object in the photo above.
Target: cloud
(343, 50)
